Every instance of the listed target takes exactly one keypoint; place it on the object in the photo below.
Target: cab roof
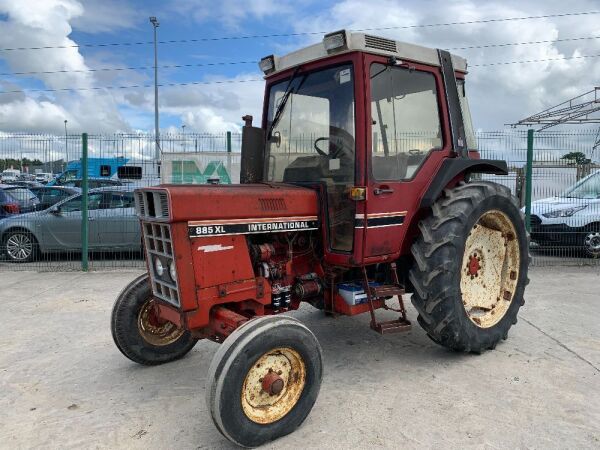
(366, 43)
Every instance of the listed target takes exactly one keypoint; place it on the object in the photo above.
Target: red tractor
(362, 182)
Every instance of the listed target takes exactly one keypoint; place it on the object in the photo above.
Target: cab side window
(405, 121)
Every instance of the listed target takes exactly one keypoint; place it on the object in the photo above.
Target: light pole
(66, 148)
(183, 135)
(155, 24)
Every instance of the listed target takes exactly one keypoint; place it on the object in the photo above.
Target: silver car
(113, 226)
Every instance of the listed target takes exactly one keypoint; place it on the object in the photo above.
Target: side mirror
(55, 210)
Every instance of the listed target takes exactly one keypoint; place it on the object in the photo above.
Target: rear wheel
(139, 334)
(20, 246)
(470, 268)
(264, 380)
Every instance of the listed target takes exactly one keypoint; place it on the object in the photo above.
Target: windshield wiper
(284, 99)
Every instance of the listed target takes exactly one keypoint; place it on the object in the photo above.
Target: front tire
(139, 335)
(470, 267)
(264, 380)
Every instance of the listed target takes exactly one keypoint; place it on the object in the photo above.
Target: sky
(499, 93)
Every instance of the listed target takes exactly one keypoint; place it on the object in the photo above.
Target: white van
(10, 175)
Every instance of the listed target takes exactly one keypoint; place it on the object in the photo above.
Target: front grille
(158, 242)
(152, 203)
(380, 43)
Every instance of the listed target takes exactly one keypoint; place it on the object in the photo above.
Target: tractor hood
(218, 203)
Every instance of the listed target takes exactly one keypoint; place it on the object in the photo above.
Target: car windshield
(586, 188)
(317, 121)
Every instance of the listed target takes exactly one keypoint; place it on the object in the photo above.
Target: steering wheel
(319, 151)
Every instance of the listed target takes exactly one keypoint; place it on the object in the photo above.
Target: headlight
(267, 64)
(563, 212)
(334, 42)
(172, 271)
(158, 266)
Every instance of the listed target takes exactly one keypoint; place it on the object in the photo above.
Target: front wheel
(264, 380)
(139, 334)
(591, 242)
(470, 268)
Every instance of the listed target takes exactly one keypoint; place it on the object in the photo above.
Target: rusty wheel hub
(473, 266)
(273, 385)
(490, 269)
(155, 331)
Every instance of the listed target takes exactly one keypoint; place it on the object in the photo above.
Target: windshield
(586, 188)
(315, 129)
(312, 141)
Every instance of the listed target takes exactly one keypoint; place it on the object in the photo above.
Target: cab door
(403, 148)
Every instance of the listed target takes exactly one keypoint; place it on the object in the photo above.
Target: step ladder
(383, 292)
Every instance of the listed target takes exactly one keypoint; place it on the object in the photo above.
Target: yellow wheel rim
(273, 385)
(155, 332)
(490, 269)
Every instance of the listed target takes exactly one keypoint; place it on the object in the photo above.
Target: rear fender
(457, 168)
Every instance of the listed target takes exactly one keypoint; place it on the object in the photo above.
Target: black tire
(438, 254)
(27, 240)
(591, 241)
(126, 332)
(232, 362)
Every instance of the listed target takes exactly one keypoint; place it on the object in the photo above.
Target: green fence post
(84, 202)
(229, 142)
(528, 176)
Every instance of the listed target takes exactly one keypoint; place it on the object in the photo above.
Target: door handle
(384, 190)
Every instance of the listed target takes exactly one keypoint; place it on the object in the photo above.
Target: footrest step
(386, 290)
(392, 326)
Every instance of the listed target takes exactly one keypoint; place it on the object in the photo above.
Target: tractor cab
(358, 118)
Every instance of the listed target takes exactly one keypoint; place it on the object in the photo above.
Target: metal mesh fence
(40, 200)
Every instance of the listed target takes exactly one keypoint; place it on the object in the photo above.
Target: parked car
(26, 177)
(93, 183)
(27, 200)
(570, 219)
(113, 226)
(50, 195)
(44, 177)
(8, 205)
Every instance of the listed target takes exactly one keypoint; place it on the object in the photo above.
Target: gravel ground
(65, 385)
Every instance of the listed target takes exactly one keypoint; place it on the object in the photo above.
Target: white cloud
(101, 16)
(208, 107)
(32, 23)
